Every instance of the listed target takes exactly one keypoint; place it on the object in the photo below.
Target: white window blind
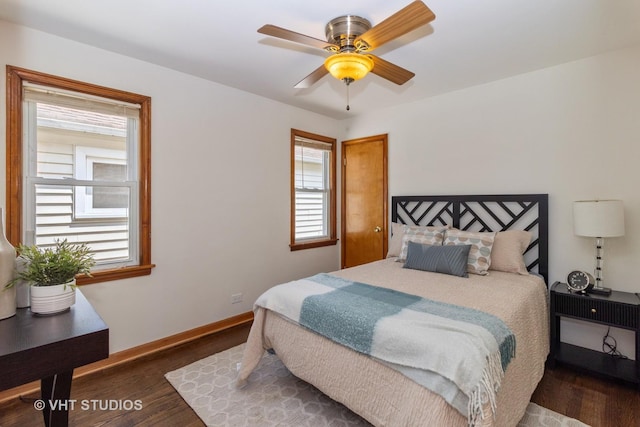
(312, 163)
(65, 98)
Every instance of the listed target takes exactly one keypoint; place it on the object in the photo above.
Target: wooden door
(364, 200)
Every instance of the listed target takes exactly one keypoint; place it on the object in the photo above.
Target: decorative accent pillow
(419, 235)
(508, 250)
(450, 260)
(480, 252)
(395, 243)
(397, 232)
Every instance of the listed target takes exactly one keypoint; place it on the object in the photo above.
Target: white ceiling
(470, 42)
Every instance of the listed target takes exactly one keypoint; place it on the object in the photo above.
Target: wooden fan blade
(389, 71)
(282, 33)
(312, 78)
(400, 23)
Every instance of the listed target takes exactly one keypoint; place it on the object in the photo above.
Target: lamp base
(600, 291)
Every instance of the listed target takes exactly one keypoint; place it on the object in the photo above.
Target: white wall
(220, 190)
(572, 131)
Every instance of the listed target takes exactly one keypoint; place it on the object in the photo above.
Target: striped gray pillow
(438, 259)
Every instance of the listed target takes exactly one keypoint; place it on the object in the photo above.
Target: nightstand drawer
(598, 310)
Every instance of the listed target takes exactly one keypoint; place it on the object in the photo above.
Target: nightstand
(620, 309)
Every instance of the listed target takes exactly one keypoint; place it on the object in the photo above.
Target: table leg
(55, 392)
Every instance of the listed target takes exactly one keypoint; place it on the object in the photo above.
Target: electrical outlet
(236, 298)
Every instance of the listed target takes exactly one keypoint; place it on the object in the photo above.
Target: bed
(510, 289)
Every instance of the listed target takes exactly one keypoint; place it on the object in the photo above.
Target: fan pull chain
(348, 108)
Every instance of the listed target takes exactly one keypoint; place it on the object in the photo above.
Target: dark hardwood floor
(592, 400)
(599, 403)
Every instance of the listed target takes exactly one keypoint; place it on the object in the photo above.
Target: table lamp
(599, 219)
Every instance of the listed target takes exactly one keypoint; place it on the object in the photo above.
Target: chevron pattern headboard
(528, 212)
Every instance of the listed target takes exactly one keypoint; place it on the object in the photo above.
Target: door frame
(385, 190)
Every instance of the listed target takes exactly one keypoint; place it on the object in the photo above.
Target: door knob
(377, 229)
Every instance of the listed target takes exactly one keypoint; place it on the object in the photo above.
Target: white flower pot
(52, 299)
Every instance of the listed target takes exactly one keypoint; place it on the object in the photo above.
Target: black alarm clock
(580, 281)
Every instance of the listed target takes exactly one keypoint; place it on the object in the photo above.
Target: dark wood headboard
(528, 212)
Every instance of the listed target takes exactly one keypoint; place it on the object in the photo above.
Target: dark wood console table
(48, 349)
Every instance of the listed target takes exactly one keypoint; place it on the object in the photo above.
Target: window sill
(313, 244)
(115, 274)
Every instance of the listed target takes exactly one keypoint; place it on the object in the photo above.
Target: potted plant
(51, 272)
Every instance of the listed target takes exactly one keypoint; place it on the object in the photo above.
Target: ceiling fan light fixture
(348, 66)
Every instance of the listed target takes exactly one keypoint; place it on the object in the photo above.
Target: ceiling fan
(351, 38)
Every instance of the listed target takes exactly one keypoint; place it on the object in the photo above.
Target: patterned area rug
(274, 397)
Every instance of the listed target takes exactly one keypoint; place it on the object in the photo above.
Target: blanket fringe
(485, 392)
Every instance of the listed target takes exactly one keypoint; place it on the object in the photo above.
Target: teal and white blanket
(457, 352)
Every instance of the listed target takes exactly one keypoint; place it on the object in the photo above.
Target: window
(79, 169)
(100, 164)
(313, 198)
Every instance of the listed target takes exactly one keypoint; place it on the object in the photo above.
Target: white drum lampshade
(598, 218)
